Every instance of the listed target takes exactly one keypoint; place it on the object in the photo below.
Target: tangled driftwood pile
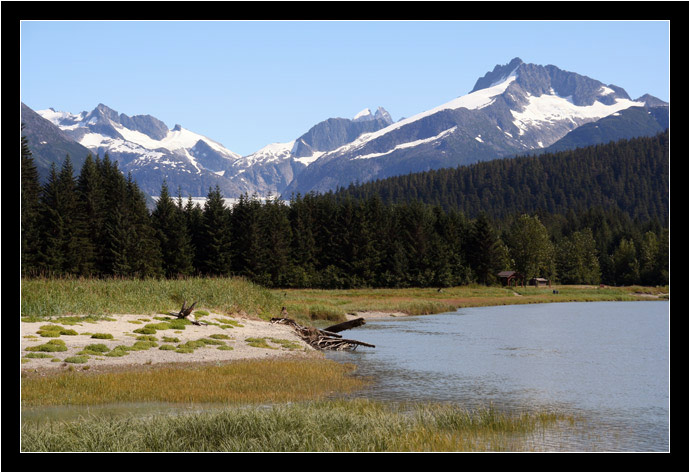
(328, 338)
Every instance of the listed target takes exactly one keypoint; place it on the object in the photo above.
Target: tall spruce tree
(245, 237)
(145, 251)
(484, 250)
(275, 235)
(215, 236)
(30, 210)
(92, 210)
(173, 237)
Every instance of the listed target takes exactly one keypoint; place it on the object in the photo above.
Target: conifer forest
(586, 216)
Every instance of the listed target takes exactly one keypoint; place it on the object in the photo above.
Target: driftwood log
(326, 339)
(185, 312)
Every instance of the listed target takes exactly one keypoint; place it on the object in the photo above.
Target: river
(604, 362)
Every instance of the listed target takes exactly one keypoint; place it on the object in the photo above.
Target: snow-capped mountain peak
(364, 115)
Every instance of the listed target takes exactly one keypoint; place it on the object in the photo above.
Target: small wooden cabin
(511, 278)
(540, 282)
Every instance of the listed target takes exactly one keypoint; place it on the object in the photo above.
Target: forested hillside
(630, 175)
(96, 224)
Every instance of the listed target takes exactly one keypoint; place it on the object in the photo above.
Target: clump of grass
(211, 341)
(51, 346)
(219, 336)
(118, 351)
(228, 323)
(103, 336)
(77, 359)
(144, 330)
(171, 339)
(54, 331)
(135, 322)
(38, 355)
(148, 338)
(259, 343)
(166, 347)
(201, 313)
(94, 349)
(322, 312)
(143, 345)
(287, 344)
(225, 347)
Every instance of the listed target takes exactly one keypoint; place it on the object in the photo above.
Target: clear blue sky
(248, 84)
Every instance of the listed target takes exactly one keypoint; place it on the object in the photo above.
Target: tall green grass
(323, 426)
(42, 298)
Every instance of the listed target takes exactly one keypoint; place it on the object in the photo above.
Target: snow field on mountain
(549, 108)
(410, 144)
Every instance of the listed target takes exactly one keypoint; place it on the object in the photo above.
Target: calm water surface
(606, 362)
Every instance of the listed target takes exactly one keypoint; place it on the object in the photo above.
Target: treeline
(631, 175)
(96, 224)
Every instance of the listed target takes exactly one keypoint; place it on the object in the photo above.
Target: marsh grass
(322, 304)
(42, 298)
(238, 382)
(320, 426)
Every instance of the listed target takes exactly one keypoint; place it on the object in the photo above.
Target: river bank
(237, 313)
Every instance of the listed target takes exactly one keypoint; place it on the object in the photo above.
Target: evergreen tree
(145, 251)
(484, 250)
(30, 210)
(75, 240)
(51, 257)
(62, 232)
(194, 218)
(215, 236)
(625, 264)
(275, 235)
(245, 236)
(92, 210)
(173, 237)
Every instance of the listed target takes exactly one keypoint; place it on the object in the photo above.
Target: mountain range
(515, 109)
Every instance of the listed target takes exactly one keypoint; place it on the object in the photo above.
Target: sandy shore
(122, 330)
